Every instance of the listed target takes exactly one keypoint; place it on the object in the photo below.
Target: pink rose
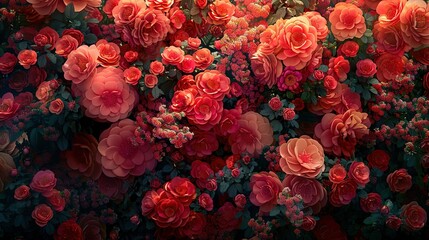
(57, 201)
(212, 83)
(81, 64)
(267, 68)
(414, 21)
(22, 192)
(366, 68)
(44, 182)
(206, 112)
(42, 214)
(347, 21)
(302, 157)
(359, 172)
(240, 201)
(265, 190)
(8, 106)
(275, 103)
(56, 106)
(150, 80)
(126, 12)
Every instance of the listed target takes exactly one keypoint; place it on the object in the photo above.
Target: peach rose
(150, 27)
(414, 22)
(156, 68)
(267, 68)
(56, 106)
(81, 64)
(212, 83)
(82, 4)
(27, 58)
(253, 135)
(183, 100)
(302, 157)
(109, 53)
(319, 22)
(150, 80)
(83, 156)
(389, 12)
(65, 45)
(339, 134)
(347, 21)
(106, 96)
(44, 182)
(132, 75)
(172, 55)
(7, 63)
(6, 166)
(220, 12)
(298, 41)
(8, 106)
(42, 214)
(126, 12)
(203, 58)
(313, 194)
(47, 7)
(266, 187)
(162, 5)
(121, 154)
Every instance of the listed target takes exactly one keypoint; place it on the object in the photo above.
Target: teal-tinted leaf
(366, 95)
(223, 187)
(22, 45)
(275, 212)
(323, 68)
(156, 92)
(69, 12)
(62, 143)
(277, 126)
(90, 38)
(41, 61)
(52, 57)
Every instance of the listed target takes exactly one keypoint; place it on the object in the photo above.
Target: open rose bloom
(220, 119)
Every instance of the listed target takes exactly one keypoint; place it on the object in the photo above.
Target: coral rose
(302, 157)
(156, 68)
(83, 155)
(389, 66)
(313, 194)
(343, 193)
(366, 68)
(8, 106)
(348, 49)
(414, 22)
(48, 36)
(126, 12)
(206, 112)
(108, 53)
(121, 154)
(46, 7)
(6, 166)
(319, 23)
(339, 134)
(347, 21)
(212, 83)
(182, 189)
(150, 27)
(65, 45)
(56, 106)
(150, 80)
(106, 96)
(82, 4)
(414, 216)
(187, 65)
(399, 181)
(298, 41)
(22, 192)
(162, 5)
(172, 55)
(27, 58)
(132, 75)
(337, 173)
(44, 182)
(81, 64)
(254, 134)
(203, 58)
(389, 12)
(267, 68)
(220, 12)
(359, 172)
(266, 187)
(371, 203)
(389, 39)
(7, 63)
(339, 67)
(42, 214)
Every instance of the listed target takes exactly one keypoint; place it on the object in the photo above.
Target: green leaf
(277, 126)
(275, 212)
(41, 61)
(52, 57)
(90, 38)
(69, 12)
(156, 92)
(223, 187)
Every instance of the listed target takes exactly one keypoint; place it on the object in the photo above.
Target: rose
(182, 189)
(44, 182)
(42, 214)
(78, 35)
(7, 63)
(339, 67)
(275, 103)
(150, 27)
(81, 5)
(205, 201)
(389, 39)
(109, 53)
(195, 227)
(343, 193)
(328, 229)
(150, 80)
(18, 81)
(132, 75)
(348, 49)
(44, 91)
(319, 23)
(414, 21)
(379, 159)
(36, 76)
(308, 223)
(225, 218)
(6, 166)
(337, 173)
(359, 172)
(366, 68)
(126, 11)
(8, 107)
(46, 7)
(240, 200)
(187, 65)
(156, 68)
(131, 56)
(266, 187)
(347, 21)
(69, 230)
(329, 82)
(201, 3)
(81, 64)
(57, 201)
(202, 172)
(421, 55)
(27, 58)
(389, 66)
(213, 84)
(65, 45)
(22, 192)
(177, 17)
(185, 82)
(172, 55)
(371, 203)
(399, 181)
(56, 106)
(220, 12)
(49, 36)
(206, 112)
(228, 124)
(266, 67)
(393, 222)
(203, 58)
(415, 216)
(288, 114)
(302, 157)
(194, 43)
(183, 100)
(389, 12)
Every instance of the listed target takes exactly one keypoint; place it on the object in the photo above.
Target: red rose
(7, 63)
(389, 66)
(69, 230)
(329, 82)
(359, 172)
(22, 192)
(337, 173)
(372, 203)
(366, 68)
(414, 216)
(205, 201)
(49, 36)
(8, 106)
(182, 189)
(185, 82)
(150, 80)
(343, 193)
(132, 75)
(156, 68)
(328, 229)
(379, 159)
(393, 222)
(206, 112)
(187, 65)
(240, 201)
(131, 56)
(201, 3)
(299, 104)
(213, 84)
(57, 201)
(229, 122)
(308, 223)
(42, 214)
(348, 49)
(202, 172)
(196, 226)
(225, 218)
(339, 67)
(18, 81)
(36, 76)
(194, 43)
(74, 33)
(275, 103)
(203, 58)
(266, 187)
(399, 181)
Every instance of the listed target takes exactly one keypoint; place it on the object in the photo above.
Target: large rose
(69, 230)
(46, 7)
(414, 22)
(298, 41)
(109, 53)
(182, 189)
(195, 227)
(84, 156)
(6, 166)
(343, 193)
(121, 154)
(347, 21)
(127, 11)
(106, 96)
(319, 23)
(254, 133)
(302, 157)
(8, 106)
(389, 39)
(81, 64)
(212, 83)
(313, 194)
(389, 12)
(266, 68)
(415, 216)
(339, 134)
(399, 181)
(266, 187)
(221, 12)
(389, 66)
(206, 112)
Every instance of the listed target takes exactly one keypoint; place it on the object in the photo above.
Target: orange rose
(27, 58)
(203, 58)
(220, 12)
(414, 22)
(109, 53)
(347, 21)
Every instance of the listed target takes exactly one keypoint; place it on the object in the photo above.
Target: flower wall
(201, 119)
